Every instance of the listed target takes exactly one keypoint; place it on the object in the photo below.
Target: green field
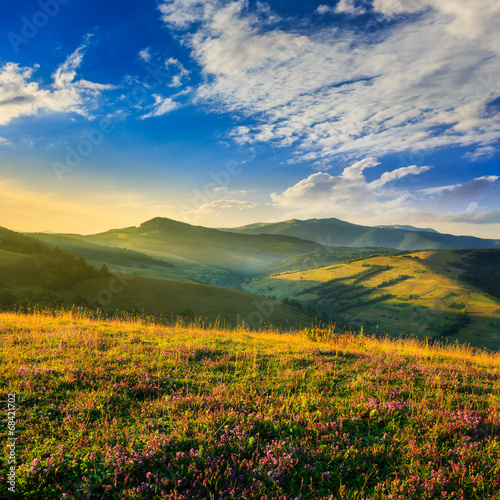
(122, 410)
(166, 269)
(31, 279)
(420, 293)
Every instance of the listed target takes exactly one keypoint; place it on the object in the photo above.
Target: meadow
(129, 409)
(421, 293)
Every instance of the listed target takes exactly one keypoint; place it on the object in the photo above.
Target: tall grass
(127, 408)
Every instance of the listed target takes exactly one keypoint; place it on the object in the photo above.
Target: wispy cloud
(218, 211)
(182, 72)
(423, 81)
(460, 193)
(162, 106)
(472, 217)
(5, 142)
(20, 95)
(481, 153)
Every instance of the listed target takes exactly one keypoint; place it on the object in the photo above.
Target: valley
(168, 269)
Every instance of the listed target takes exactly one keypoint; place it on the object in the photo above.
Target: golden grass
(73, 326)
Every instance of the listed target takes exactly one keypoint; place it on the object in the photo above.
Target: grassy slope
(116, 410)
(127, 292)
(117, 259)
(191, 264)
(101, 253)
(424, 304)
(209, 303)
(198, 253)
(176, 241)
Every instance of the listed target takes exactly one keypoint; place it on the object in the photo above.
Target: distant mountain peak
(337, 232)
(406, 227)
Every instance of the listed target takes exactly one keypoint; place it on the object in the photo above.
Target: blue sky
(225, 112)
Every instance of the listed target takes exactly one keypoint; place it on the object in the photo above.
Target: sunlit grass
(125, 409)
(424, 303)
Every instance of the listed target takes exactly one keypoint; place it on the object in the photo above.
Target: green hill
(199, 253)
(433, 293)
(210, 246)
(116, 259)
(168, 298)
(198, 257)
(335, 232)
(110, 409)
(34, 274)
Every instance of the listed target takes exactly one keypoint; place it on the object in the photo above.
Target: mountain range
(337, 233)
(285, 274)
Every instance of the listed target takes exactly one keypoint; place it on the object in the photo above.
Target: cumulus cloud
(472, 20)
(349, 7)
(21, 96)
(343, 7)
(421, 81)
(396, 7)
(349, 194)
(325, 9)
(181, 13)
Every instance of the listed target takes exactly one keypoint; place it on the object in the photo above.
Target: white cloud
(182, 72)
(475, 20)
(480, 153)
(471, 217)
(324, 9)
(21, 96)
(343, 7)
(348, 7)
(460, 193)
(145, 55)
(218, 211)
(181, 13)
(398, 174)
(224, 190)
(5, 142)
(392, 8)
(162, 106)
(217, 205)
(349, 195)
(420, 82)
